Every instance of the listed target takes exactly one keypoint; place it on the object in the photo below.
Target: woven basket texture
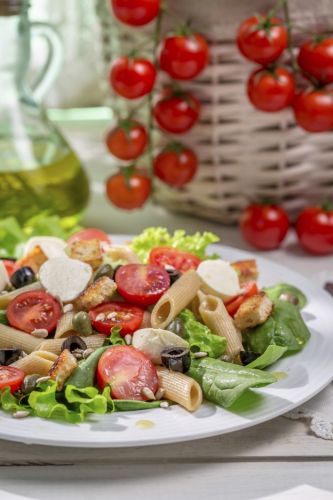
(244, 154)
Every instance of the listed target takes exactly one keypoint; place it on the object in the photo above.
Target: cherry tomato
(313, 110)
(89, 234)
(177, 112)
(11, 377)
(142, 284)
(119, 314)
(9, 266)
(130, 193)
(132, 78)
(33, 310)
(182, 261)
(234, 304)
(176, 165)
(127, 141)
(314, 228)
(128, 371)
(136, 12)
(262, 40)
(184, 57)
(315, 58)
(271, 90)
(264, 226)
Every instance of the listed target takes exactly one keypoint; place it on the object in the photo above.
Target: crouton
(96, 293)
(62, 368)
(34, 259)
(88, 251)
(254, 311)
(247, 270)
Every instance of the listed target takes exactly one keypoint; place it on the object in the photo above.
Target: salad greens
(223, 383)
(274, 293)
(153, 237)
(270, 356)
(84, 374)
(200, 337)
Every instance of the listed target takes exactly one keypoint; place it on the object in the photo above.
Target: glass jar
(39, 172)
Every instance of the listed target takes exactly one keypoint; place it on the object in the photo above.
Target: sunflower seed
(43, 379)
(160, 393)
(148, 393)
(87, 353)
(21, 414)
(128, 339)
(200, 354)
(100, 317)
(23, 354)
(40, 333)
(78, 353)
(68, 308)
(164, 404)
(112, 315)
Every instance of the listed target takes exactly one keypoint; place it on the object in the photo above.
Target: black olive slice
(22, 277)
(72, 343)
(247, 357)
(9, 356)
(177, 359)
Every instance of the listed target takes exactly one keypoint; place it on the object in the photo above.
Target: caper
(289, 297)
(177, 326)
(247, 357)
(82, 323)
(29, 383)
(104, 270)
(73, 343)
(177, 359)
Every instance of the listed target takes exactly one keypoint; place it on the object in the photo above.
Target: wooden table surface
(244, 465)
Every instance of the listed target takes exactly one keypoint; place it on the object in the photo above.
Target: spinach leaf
(223, 383)
(200, 337)
(84, 374)
(274, 293)
(270, 356)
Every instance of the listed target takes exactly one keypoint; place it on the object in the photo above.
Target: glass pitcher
(39, 173)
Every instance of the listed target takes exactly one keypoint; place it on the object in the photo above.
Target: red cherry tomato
(182, 261)
(119, 314)
(136, 12)
(234, 304)
(9, 266)
(313, 110)
(264, 226)
(89, 234)
(184, 57)
(130, 193)
(271, 90)
(33, 310)
(11, 377)
(176, 165)
(127, 141)
(142, 284)
(177, 112)
(262, 40)
(132, 78)
(315, 58)
(314, 229)
(128, 371)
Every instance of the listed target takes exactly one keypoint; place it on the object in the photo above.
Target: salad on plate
(91, 327)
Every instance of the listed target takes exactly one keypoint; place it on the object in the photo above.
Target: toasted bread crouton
(34, 259)
(247, 270)
(254, 311)
(99, 291)
(62, 368)
(88, 251)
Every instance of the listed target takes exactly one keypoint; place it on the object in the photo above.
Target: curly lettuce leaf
(10, 403)
(272, 354)
(153, 237)
(200, 337)
(224, 383)
(115, 338)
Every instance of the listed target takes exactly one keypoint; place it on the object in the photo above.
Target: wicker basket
(244, 154)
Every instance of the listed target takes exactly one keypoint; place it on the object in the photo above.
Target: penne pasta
(54, 345)
(65, 325)
(180, 388)
(6, 298)
(214, 314)
(10, 337)
(38, 362)
(179, 296)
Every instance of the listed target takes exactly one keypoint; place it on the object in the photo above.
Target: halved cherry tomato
(11, 377)
(9, 266)
(89, 234)
(233, 305)
(125, 316)
(127, 370)
(32, 310)
(142, 284)
(182, 261)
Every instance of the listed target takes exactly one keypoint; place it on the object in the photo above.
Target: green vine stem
(293, 62)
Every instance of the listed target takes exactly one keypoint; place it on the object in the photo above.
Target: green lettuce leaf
(270, 356)
(152, 237)
(200, 337)
(224, 383)
(10, 403)
(274, 293)
(115, 338)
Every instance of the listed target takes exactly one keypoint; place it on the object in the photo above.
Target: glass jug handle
(53, 62)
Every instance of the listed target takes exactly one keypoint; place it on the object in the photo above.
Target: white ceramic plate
(308, 373)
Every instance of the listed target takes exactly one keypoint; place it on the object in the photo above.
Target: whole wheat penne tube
(54, 345)
(38, 362)
(6, 298)
(65, 325)
(10, 337)
(179, 295)
(214, 314)
(180, 388)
